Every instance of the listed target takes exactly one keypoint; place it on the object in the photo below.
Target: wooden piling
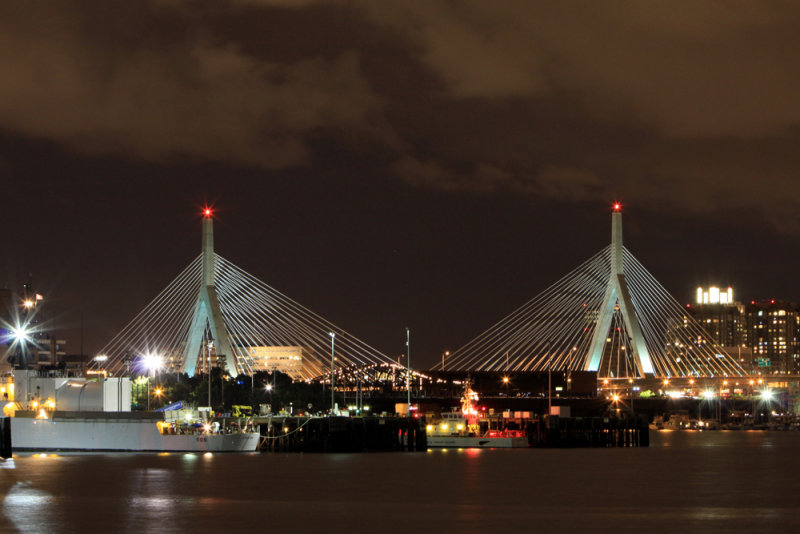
(5, 437)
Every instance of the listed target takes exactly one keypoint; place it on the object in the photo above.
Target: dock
(341, 434)
(574, 432)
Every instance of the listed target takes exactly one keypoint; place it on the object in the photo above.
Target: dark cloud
(568, 101)
(160, 98)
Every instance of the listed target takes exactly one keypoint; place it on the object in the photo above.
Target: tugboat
(461, 428)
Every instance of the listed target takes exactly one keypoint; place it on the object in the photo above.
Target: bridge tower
(207, 312)
(618, 295)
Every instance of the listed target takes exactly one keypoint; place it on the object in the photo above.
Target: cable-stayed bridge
(215, 312)
(608, 315)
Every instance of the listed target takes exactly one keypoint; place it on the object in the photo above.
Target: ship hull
(76, 434)
(464, 442)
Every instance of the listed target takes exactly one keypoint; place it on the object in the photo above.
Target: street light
(152, 363)
(630, 381)
(333, 345)
(408, 369)
(549, 381)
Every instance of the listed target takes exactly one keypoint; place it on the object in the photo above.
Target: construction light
(21, 334)
(152, 362)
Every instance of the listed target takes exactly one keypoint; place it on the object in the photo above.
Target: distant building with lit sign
(720, 316)
(714, 295)
(723, 319)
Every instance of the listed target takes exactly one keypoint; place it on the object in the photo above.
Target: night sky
(428, 164)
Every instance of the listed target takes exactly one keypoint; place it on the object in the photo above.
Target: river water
(684, 482)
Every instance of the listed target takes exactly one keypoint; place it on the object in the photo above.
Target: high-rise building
(723, 319)
(720, 316)
(772, 328)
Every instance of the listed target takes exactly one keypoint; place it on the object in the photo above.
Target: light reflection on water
(691, 481)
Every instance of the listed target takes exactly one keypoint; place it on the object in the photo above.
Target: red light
(207, 212)
(617, 206)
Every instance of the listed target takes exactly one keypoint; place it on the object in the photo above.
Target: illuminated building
(721, 316)
(287, 360)
(772, 327)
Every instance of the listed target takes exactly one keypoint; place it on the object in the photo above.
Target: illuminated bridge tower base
(618, 296)
(207, 313)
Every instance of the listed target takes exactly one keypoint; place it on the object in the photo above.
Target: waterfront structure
(608, 315)
(215, 314)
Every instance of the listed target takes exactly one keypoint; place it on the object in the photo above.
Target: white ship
(74, 414)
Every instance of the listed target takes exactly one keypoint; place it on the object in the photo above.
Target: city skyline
(423, 166)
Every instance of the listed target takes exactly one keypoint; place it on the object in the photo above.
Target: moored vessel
(74, 414)
(462, 428)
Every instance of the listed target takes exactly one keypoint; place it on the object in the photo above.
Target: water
(685, 482)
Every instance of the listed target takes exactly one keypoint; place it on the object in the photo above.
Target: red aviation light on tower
(617, 207)
(208, 212)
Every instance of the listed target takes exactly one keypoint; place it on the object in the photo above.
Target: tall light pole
(549, 380)
(209, 347)
(333, 341)
(152, 362)
(408, 369)
(445, 353)
(630, 381)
